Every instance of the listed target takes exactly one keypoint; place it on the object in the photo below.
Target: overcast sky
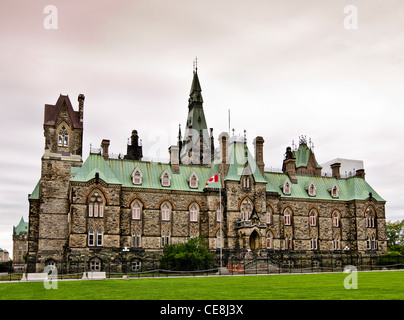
(284, 69)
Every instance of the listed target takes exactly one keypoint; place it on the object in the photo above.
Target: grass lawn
(371, 286)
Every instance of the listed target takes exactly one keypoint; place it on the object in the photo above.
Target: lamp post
(125, 249)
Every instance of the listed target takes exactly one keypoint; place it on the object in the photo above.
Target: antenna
(229, 121)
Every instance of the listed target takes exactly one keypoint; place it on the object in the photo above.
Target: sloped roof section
(52, 112)
(21, 227)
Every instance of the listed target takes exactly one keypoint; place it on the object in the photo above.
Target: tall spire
(195, 95)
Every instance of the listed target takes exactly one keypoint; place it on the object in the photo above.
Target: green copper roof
(95, 163)
(302, 156)
(349, 189)
(241, 161)
(35, 192)
(21, 227)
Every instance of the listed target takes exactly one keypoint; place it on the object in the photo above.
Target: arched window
(96, 205)
(269, 240)
(335, 219)
(165, 178)
(63, 136)
(312, 190)
(370, 215)
(136, 209)
(137, 176)
(286, 187)
(165, 212)
(193, 181)
(136, 239)
(91, 237)
(287, 217)
(288, 242)
(246, 209)
(193, 213)
(313, 218)
(269, 215)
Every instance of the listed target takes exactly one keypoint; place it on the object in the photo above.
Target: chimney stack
(335, 167)
(105, 147)
(289, 165)
(224, 161)
(360, 173)
(81, 107)
(174, 158)
(259, 153)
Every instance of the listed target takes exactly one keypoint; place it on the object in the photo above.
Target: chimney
(105, 147)
(335, 167)
(212, 146)
(289, 165)
(259, 153)
(174, 158)
(224, 162)
(81, 107)
(360, 173)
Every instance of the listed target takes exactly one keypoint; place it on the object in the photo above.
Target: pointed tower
(196, 143)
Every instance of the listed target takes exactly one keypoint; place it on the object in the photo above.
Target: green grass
(371, 285)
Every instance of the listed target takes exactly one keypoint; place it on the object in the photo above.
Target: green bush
(188, 256)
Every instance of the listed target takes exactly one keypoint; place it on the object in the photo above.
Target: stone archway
(254, 241)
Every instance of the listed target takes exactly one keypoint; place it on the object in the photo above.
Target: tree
(395, 235)
(191, 255)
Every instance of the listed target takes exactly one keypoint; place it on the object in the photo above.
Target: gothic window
(136, 210)
(246, 182)
(269, 240)
(63, 136)
(288, 242)
(313, 218)
(370, 217)
(287, 187)
(335, 219)
(246, 209)
(96, 205)
(165, 178)
(91, 237)
(313, 244)
(193, 181)
(137, 176)
(312, 190)
(136, 239)
(193, 213)
(165, 212)
(287, 217)
(99, 237)
(269, 215)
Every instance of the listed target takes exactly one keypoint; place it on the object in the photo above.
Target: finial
(245, 136)
(196, 65)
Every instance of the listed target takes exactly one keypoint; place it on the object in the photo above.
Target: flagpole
(221, 217)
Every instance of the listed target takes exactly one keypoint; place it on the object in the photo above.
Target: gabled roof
(35, 193)
(302, 156)
(52, 112)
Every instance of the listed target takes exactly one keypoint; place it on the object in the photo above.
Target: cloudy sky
(283, 68)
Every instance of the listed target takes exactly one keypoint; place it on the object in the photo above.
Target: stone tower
(63, 131)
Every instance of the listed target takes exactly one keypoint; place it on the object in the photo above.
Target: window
(96, 206)
(312, 189)
(287, 217)
(91, 237)
(286, 187)
(336, 243)
(246, 182)
(193, 213)
(335, 219)
(334, 191)
(136, 240)
(99, 237)
(313, 218)
(165, 239)
(269, 240)
(288, 242)
(137, 176)
(368, 243)
(63, 137)
(269, 216)
(246, 210)
(165, 212)
(165, 178)
(95, 265)
(135, 265)
(370, 215)
(313, 244)
(193, 181)
(135, 211)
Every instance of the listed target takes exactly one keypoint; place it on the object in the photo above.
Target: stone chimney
(335, 167)
(360, 173)
(224, 161)
(289, 165)
(174, 158)
(259, 153)
(105, 147)
(81, 107)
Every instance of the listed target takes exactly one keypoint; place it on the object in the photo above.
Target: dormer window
(287, 187)
(334, 191)
(137, 176)
(193, 181)
(312, 189)
(165, 178)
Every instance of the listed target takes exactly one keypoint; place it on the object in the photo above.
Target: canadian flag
(215, 178)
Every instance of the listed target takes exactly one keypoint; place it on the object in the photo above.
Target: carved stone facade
(117, 214)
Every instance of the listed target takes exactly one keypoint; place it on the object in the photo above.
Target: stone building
(117, 213)
(20, 244)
